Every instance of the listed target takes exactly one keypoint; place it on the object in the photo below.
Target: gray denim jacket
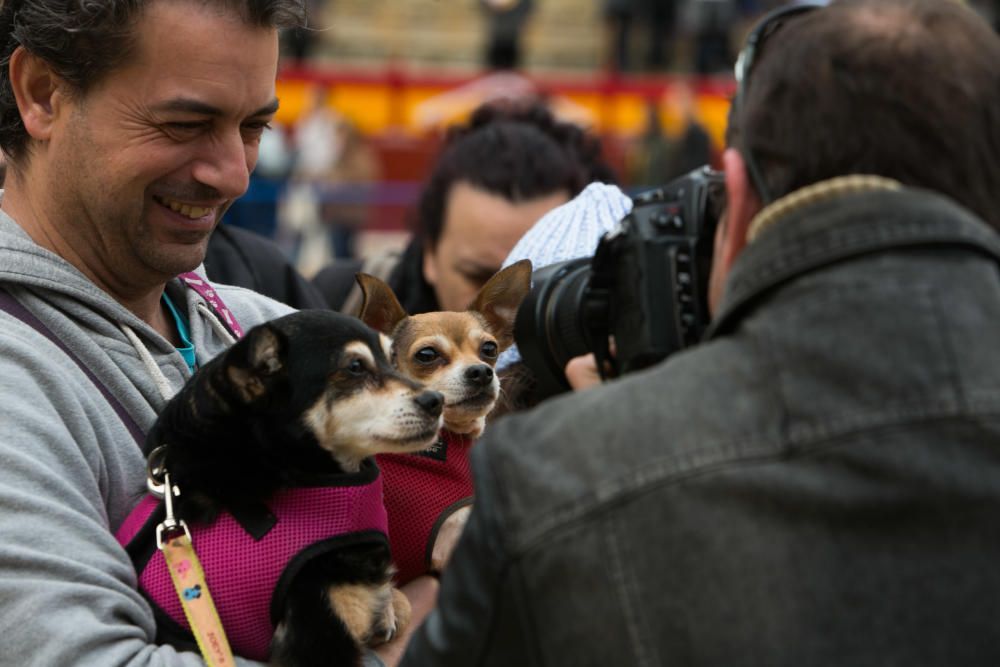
(816, 484)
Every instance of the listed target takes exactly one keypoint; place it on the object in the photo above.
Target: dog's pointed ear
(254, 361)
(500, 298)
(380, 309)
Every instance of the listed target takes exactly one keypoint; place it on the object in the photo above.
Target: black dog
(298, 406)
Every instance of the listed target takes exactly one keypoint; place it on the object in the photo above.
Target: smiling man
(129, 127)
(125, 174)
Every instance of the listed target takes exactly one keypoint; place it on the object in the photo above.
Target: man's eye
(186, 126)
(255, 130)
(478, 278)
(185, 130)
(489, 350)
(426, 355)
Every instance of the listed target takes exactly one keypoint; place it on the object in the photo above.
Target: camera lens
(549, 329)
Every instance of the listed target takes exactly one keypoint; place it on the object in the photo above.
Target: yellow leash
(174, 539)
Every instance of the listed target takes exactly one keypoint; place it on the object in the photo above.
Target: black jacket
(240, 257)
(406, 278)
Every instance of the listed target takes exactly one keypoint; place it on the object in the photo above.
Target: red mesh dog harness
(242, 572)
(418, 489)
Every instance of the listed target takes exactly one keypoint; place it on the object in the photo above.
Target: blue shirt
(186, 348)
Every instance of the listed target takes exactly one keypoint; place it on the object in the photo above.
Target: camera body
(646, 288)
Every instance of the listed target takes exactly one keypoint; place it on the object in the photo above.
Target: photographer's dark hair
(518, 151)
(84, 40)
(894, 90)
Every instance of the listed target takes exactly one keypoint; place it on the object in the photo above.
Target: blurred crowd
(321, 183)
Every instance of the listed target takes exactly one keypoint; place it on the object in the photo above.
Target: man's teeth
(188, 211)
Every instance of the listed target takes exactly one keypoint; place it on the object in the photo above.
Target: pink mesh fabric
(241, 572)
(417, 489)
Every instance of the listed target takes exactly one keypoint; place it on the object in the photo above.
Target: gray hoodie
(69, 469)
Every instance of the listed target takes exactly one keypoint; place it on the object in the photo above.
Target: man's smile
(187, 210)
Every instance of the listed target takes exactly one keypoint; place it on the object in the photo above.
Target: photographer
(817, 481)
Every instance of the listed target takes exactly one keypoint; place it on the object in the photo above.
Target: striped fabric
(567, 232)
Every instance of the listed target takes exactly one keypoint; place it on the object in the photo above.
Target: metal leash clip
(155, 469)
(158, 483)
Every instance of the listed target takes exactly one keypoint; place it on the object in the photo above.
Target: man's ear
(380, 309)
(429, 266)
(254, 361)
(38, 92)
(500, 298)
(742, 204)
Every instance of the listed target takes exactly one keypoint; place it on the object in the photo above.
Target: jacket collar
(814, 194)
(840, 220)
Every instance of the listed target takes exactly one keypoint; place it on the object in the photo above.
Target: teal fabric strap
(186, 348)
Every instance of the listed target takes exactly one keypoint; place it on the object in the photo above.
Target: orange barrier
(402, 114)
(392, 100)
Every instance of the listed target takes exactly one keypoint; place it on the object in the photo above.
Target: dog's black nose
(430, 402)
(480, 374)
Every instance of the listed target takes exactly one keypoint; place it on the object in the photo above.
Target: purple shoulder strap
(208, 293)
(11, 305)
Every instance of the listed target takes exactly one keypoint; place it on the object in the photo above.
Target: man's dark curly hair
(518, 151)
(84, 40)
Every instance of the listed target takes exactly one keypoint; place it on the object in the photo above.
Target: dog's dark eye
(356, 367)
(488, 350)
(426, 355)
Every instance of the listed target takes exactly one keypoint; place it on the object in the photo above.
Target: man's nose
(225, 164)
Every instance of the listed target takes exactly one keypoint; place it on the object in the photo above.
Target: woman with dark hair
(495, 176)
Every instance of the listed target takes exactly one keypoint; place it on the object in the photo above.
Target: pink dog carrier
(419, 490)
(248, 566)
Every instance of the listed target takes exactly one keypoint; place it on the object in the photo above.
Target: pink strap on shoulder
(207, 292)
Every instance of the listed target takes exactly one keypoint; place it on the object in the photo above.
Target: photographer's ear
(742, 204)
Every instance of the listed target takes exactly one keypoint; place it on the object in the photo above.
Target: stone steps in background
(560, 34)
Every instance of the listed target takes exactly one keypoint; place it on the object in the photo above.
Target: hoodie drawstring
(217, 325)
(167, 390)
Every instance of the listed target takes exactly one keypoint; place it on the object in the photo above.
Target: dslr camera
(641, 297)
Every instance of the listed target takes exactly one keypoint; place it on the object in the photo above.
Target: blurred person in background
(619, 17)
(333, 176)
(494, 177)
(651, 22)
(347, 191)
(711, 23)
(656, 156)
(505, 24)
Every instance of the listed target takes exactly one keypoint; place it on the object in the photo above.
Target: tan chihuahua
(428, 497)
(452, 352)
